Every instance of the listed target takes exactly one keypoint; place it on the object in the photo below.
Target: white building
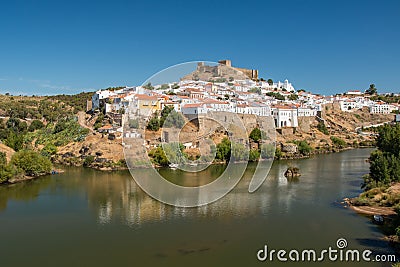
(194, 109)
(383, 108)
(350, 105)
(306, 112)
(284, 85)
(285, 116)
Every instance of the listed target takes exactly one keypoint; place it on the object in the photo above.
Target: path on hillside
(369, 126)
(82, 120)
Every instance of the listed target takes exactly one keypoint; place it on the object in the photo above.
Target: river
(85, 217)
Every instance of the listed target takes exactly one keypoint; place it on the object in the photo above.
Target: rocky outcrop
(292, 172)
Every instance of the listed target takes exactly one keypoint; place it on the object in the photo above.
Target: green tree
(3, 158)
(174, 119)
(158, 156)
(153, 124)
(267, 151)
(49, 150)
(255, 135)
(223, 150)
(15, 141)
(13, 124)
(164, 86)
(385, 162)
(270, 82)
(7, 171)
(88, 161)
(31, 162)
(293, 97)
(174, 152)
(338, 142)
(276, 95)
(35, 125)
(371, 90)
(148, 86)
(322, 128)
(304, 147)
(239, 152)
(254, 155)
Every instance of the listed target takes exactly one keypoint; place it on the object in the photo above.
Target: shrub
(35, 125)
(322, 128)
(255, 134)
(254, 155)
(88, 161)
(133, 123)
(158, 156)
(338, 142)
(224, 150)
(153, 124)
(49, 150)
(267, 151)
(31, 162)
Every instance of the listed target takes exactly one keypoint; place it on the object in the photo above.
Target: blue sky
(52, 47)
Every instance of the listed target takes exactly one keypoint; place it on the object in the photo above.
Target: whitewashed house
(194, 109)
(285, 116)
(382, 108)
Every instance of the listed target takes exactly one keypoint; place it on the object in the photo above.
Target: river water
(85, 217)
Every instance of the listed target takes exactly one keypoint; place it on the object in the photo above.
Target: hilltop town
(305, 123)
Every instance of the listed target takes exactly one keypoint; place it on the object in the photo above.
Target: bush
(255, 134)
(158, 156)
(49, 150)
(7, 171)
(239, 152)
(254, 155)
(278, 153)
(174, 119)
(154, 124)
(267, 151)
(322, 128)
(31, 162)
(338, 142)
(15, 141)
(224, 150)
(3, 158)
(60, 126)
(88, 161)
(133, 123)
(303, 147)
(35, 125)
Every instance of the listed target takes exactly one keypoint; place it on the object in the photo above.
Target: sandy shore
(369, 210)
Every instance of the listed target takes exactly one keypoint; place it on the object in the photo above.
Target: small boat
(173, 166)
(378, 219)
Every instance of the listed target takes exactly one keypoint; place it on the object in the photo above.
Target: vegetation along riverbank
(381, 194)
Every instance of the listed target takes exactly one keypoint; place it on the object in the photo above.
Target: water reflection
(115, 196)
(91, 206)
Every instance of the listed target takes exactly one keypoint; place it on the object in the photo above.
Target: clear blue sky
(52, 47)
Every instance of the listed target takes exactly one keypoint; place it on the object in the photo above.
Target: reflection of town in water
(117, 197)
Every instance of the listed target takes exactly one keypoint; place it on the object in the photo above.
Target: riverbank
(24, 178)
(384, 201)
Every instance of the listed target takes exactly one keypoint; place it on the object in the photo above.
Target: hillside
(9, 151)
(70, 137)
